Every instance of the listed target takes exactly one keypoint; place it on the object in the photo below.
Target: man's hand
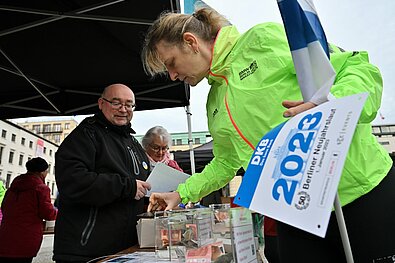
(141, 190)
(295, 107)
(163, 201)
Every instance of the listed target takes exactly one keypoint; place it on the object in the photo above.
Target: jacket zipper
(136, 168)
(89, 226)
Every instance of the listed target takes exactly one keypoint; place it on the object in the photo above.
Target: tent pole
(191, 153)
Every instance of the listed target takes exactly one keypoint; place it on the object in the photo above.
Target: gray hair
(154, 132)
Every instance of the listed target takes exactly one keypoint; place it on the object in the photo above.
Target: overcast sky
(351, 24)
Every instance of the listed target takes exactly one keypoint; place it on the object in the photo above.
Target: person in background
(252, 77)
(26, 204)
(100, 171)
(2, 193)
(156, 142)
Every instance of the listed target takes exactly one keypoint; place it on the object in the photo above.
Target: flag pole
(343, 230)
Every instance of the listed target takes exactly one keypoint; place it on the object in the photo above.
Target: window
(49, 168)
(178, 142)
(21, 159)
(47, 127)
(173, 142)
(13, 137)
(30, 144)
(3, 133)
(67, 126)
(385, 143)
(8, 180)
(36, 128)
(385, 129)
(53, 189)
(56, 138)
(45, 150)
(47, 136)
(23, 140)
(376, 129)
(57, 127)
(11, 157)
(50, 152)
(1, 152)
(197, 140)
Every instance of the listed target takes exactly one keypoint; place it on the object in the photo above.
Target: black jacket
(96, 168)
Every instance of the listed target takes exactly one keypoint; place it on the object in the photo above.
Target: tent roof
(56, 56)
(203, 155)
(205, 147)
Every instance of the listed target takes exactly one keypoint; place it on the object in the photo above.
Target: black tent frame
(47, 68)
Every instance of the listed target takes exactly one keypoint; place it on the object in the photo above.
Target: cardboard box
(146, 232)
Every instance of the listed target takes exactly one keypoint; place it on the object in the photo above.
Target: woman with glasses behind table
(156, 144)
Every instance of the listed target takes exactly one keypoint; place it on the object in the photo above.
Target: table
(129, 251)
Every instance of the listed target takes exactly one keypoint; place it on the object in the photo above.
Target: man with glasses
(100, 171)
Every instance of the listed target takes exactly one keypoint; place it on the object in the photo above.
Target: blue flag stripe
(302, 27)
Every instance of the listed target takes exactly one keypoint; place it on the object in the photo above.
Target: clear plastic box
(233, 227)
(180, 231)
(221, 225)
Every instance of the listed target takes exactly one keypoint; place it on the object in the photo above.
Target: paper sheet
(165, 179)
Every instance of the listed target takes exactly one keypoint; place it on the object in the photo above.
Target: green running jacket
(250, 75)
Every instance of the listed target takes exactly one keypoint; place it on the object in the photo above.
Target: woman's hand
(163, 201)
(295, 107)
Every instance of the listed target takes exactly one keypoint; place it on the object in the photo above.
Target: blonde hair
(170, 27)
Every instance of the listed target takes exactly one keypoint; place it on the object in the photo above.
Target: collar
(124, 130)
(223, 45)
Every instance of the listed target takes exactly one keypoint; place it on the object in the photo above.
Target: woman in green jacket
(250, 76)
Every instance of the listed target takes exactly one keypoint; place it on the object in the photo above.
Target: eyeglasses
(118, 105)
(157, 148)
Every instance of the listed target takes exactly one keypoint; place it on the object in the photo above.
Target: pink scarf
(165, 160)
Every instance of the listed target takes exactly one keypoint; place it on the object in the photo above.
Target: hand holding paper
(165, 179)
(142, 188)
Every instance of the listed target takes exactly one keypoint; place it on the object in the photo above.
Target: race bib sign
(295, 169)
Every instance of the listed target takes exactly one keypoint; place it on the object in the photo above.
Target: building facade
(180, 140)
(385, 135)
(52, 130)
(17, 146)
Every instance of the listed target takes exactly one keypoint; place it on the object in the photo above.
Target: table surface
(129, 251)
